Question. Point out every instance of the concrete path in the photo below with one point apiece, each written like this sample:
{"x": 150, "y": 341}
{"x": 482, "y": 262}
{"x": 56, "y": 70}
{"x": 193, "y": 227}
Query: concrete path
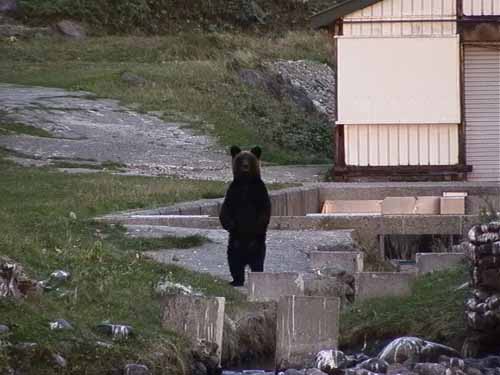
{"x": 87, "y": 129}
{"x": 287, "y": 251}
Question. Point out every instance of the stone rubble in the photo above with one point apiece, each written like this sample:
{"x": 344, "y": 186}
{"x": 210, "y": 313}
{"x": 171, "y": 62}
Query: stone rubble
{"x": 406, "y": 356}
{"x": 315, "y": 79}
{"x": 483, "y": 307}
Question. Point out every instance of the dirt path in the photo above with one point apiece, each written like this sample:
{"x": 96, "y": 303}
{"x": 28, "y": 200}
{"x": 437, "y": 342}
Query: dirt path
{"x": 90, "y": 130}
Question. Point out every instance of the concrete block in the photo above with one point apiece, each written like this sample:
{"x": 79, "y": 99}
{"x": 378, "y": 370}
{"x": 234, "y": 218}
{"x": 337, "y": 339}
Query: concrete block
{"x": 428, "y": 206}
{"x": 305, "y": 325}
{"x": 311, "y": 200}
{"x": 353, "y": 207}
{"x": 399, "y": 205}
{"x": 268, "y": 286}
{"x": 430, "y": 262}
{"x": 278, "y": 204}
{"x": 196, "y": 318}
{"x": 295, "y": 205}
{"x": 351, "y": 261}
{"x": 452, "y": 205}
{"x": 383, "y": 284}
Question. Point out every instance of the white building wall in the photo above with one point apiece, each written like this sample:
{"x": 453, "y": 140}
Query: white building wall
{"x": 481, "y": 7}
{"x": 404, "y": 144}
{"x": 432, "y": 17}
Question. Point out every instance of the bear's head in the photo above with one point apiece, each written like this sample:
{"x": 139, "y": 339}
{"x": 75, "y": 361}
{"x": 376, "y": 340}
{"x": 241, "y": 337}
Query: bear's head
{"x": 246, "y": 164}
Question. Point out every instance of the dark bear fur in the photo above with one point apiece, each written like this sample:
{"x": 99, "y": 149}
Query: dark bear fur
{"x": 245, "y": 214}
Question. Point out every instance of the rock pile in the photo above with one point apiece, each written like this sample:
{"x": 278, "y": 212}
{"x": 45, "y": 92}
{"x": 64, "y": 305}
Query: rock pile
{"x": 483, "y": 308}
{"x": 315, "y": 79}
{"x": 408, "y": 356}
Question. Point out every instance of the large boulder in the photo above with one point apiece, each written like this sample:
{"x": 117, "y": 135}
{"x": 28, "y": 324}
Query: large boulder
{"x": 71, "y": 29}
{"x": 415, "y": 350}
{"x": 8, "y": 5}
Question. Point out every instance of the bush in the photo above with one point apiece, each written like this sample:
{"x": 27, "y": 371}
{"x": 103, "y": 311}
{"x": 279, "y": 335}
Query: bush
{"x": 154, "y": 16}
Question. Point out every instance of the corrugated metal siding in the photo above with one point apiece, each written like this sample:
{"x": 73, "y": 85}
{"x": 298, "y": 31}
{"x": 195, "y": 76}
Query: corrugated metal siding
{"x": 403, "y": 10}
{"x": 392, "y": 145}
{"x": 482, "y": 112}
{"x": 481, "y": 7}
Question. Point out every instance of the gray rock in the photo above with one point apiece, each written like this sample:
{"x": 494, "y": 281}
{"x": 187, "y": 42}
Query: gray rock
{"x": 198, "y": 368}
{"x": 375, "y": 365}
{"x": 117, "y": 331}
{"x": 135, "y": 369}
{"x": 71, "y": 29}
{"x": 60, "y": 360}
{"x": 331, "y": 361}
{"x": 430, "y": 369}
{"x": 398, "y": 369}
{"x": 60, "y": 325}
{"x": 60, "y": 276}
{"x": 415, "y": 350}
{"x": 4, "y": 329}
{"x": 8, "y": 5}
{"x": 294, "y": 372}
{"x": 133, "y": 79}
{"x": 314, "y": 371}
{"x": 359, "y": 371}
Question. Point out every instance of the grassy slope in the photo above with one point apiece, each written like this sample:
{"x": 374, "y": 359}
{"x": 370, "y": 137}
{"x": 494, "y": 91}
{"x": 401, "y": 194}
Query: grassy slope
{"x": 190, "y": 76}
{"x": 110, "y": 282}
{"x": 434, "y": 311}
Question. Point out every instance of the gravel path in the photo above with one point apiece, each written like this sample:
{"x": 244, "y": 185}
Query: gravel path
{"x": 287, "y": 251}
{"x": 93, "y": 130}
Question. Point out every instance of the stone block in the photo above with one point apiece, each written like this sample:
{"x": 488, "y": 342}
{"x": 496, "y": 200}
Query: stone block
{"x": 399, "y": 205}
{"x": 452, "y": 205}
{"x": 295, "y": 205}
{"x": 196, "y": 318}
{"x": 428, "y": 206}
{"x": 278, "y": 204}
{"x": 311, "y": 200}
{"x": 353, "y": 207}
{"x": 350, "y": 261}
{"x": 383, "y": 284}
{"x": 430, "y": 262}
{"x": 268, "y": 286}
{"x": 305, "y": 325}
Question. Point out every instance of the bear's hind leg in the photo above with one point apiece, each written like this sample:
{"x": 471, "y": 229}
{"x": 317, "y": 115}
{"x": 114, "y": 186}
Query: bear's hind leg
{"x": 258, "y": 256}
{"x": 236, "y": 264}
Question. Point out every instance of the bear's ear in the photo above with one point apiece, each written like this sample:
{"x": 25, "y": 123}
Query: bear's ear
{"x": 235, "y": 150}
{"x": 257, "y": 151}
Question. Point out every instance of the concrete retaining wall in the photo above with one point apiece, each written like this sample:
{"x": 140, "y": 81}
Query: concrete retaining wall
{"x": 305, "y": 326}
{"x": 430, "y": 262}
{"x": 383, "y": 284}
{"x": 351, "y": 261}
{"x": 268, "y": 286}
{"x": 196, "y": 318}
{"x": 477, "y": 191}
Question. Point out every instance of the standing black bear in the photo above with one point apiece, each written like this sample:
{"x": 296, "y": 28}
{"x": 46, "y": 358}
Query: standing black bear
{"x": 245, "y": 215}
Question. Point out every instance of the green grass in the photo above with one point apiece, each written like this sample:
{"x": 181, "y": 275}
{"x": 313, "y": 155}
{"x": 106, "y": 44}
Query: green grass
{"x": 434, "y": 311}
{"x": 110, "y": 279}
{"x": 190, "y": 77}
{"x": 13, "y": 128}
